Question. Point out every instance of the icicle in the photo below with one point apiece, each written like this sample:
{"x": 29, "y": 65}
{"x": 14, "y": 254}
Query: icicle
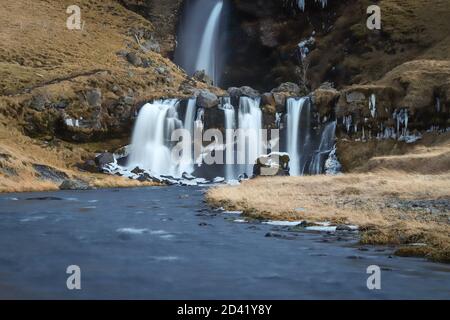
{"x": 278, "y": 120}
{"x": 373, "y": 105}
{"x": 438, "y": 104}
{"x": 301, "y": 4}
{"x": 347, "y": 122}
{"x": 332, "y": 164}
{"x": 406, "y": 118}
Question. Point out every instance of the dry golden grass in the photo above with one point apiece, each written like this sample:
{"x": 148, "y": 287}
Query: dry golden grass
{"x": 358, "y": 199}
{"x": 430, "y": 155}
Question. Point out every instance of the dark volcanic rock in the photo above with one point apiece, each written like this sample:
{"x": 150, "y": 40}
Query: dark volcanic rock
{"x": 137, "y": 170}
{"x": 207, "y": 100}
{"x": 288, "y": 87}
{"x": 48, "y": 173}
{"x": 39, "y": 102}
{"x": 104, "y": 159}
{"x": 74, "y": 185}
{"x": 44, "y": 199}
{"x": 279, "y": 236}
{"x": 343, "y": 227}
{"x": 151, "y": 45}
{"x": 89, "y": 166}
{"x": 134, "y": 59}
{"x": 274, "y": 164}
{"x": 94, "y": 97}
{"x": 243, "y": 92}
{"x": 202, "y": 77}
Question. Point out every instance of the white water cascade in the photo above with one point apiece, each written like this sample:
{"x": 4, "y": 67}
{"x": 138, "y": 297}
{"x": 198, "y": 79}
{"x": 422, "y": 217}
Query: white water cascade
{"x": 327, "y": 143}
{"x": 294, "y": 112}
{"x": 199, "y": 38}
{"x": 151, "y": 146}
{"x": 187, "y": 163}
{"x": 153, "y": 150}
{"x": 250, "y": 142}
{"x": 206, "y": 59}
{"x": 230, "y": 125}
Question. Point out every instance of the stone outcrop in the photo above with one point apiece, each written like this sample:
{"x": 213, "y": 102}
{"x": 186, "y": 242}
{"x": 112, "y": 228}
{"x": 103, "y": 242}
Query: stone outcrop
{"x": 274, "y": 164}
{"x": 164, "y": 16}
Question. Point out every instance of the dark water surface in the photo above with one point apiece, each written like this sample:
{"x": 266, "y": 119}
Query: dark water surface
{"x": 165, "y": 243}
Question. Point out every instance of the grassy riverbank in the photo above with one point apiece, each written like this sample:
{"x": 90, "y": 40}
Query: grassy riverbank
{"x": 21, "y": 155}
{"x": 407, "y": 210}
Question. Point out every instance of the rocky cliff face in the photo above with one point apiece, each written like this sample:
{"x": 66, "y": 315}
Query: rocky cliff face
{"x": 164, "y": 17}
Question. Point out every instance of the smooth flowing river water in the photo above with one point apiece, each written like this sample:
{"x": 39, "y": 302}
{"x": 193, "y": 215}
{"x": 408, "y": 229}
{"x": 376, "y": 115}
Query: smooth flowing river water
{"x": 166, "y": 243}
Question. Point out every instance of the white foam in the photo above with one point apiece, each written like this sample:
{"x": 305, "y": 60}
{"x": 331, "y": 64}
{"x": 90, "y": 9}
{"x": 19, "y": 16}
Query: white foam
{"x": 158, "y": 232}
{"x": 37, "y": 218}
{"x": 132, "y": 230}
{"x": 166, "y": 258}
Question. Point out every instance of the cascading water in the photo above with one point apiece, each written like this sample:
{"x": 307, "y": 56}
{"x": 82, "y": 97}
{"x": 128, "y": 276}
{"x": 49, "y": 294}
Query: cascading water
{"x": 151, "y": 146}
{"x": 295, "y": 140}
{"x": 250, "y": 143}
{"x": 327, "y": 142}
{"x": 198, "y": 130}
{"x": 187, "y": 163}
{"x": 308, "y": 148}
{"x": 230, "y": 125}
{"x": 199, "y": 38}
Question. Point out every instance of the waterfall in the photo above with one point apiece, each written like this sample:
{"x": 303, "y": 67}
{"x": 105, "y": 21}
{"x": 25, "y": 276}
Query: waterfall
{"x": 308, "y": 148}
{"x": 151, "y": 146}
{"x": 198, "y": 129}
{"x": 230, "y": 125}
{"x": 199, "y": 38}
{"x": 327, "y": 142}
{"x": 187, "y": 163}
{"x": 294, "y": 134}
{"x": 189, "y": 118}
{"x": 250, "y": 145}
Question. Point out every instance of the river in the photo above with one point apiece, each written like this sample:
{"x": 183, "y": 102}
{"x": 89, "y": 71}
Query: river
{"x": 166, "y": 243}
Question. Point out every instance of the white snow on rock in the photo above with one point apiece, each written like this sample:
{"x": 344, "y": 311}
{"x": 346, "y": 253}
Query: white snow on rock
{"x": 283, "y": 223}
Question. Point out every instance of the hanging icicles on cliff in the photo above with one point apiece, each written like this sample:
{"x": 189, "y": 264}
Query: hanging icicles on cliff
{"x": 302, "y": 3}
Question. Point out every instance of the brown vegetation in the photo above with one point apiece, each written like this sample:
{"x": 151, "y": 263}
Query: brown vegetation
{"x": 373, "y": 201}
